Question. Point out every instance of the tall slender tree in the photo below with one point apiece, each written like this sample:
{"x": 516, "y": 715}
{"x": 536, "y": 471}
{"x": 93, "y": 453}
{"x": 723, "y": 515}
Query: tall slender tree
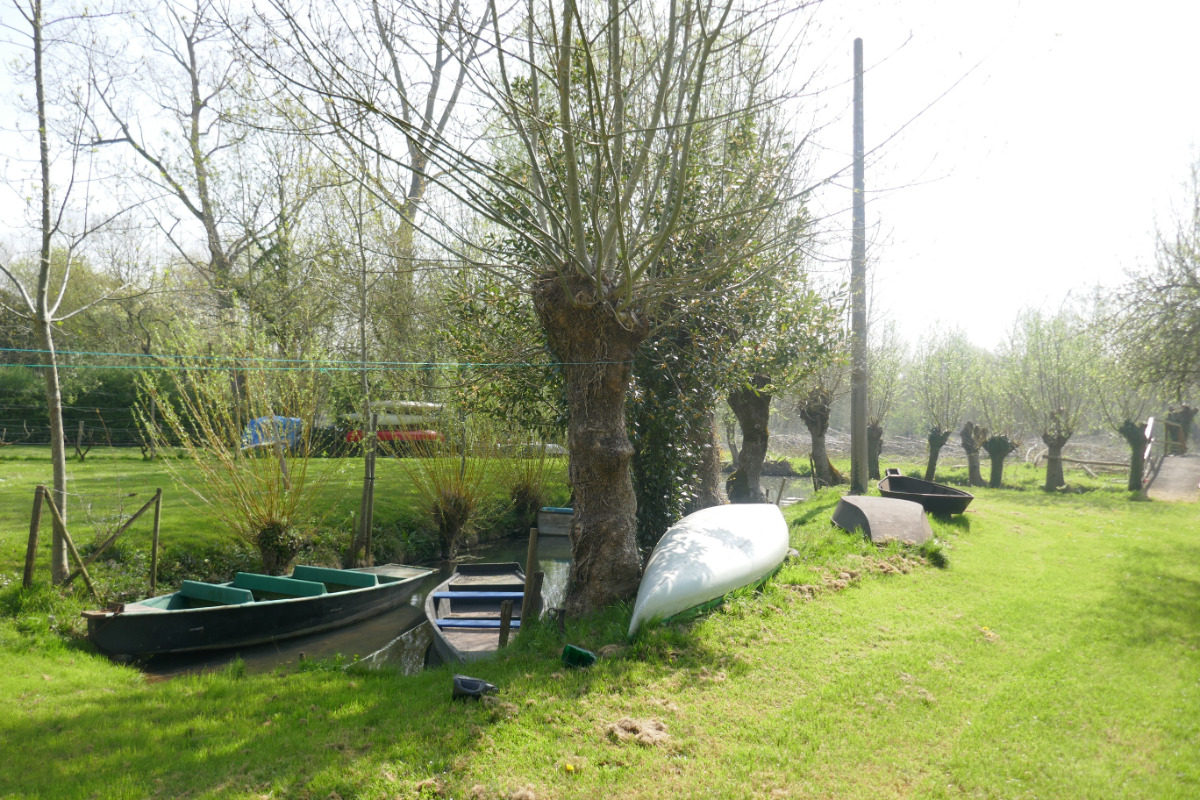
{"x": 64, "y": 216}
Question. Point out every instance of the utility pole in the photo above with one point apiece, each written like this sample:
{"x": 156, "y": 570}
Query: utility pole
{"x": 858, "y": 296}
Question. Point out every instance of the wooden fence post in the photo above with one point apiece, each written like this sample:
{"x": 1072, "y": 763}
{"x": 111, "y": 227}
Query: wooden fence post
{"x": 35, "y": 524}
{"x": 154, "y": 543}
{"x": 505, "y": 621}
{"x": 530, "y": 560}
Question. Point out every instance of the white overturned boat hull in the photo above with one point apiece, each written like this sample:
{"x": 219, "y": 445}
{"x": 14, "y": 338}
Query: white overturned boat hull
{"x": 708, "y": 554}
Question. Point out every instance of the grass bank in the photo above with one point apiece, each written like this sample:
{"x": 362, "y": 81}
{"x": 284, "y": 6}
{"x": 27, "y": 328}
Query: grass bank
{"x": 1057, "y": 656}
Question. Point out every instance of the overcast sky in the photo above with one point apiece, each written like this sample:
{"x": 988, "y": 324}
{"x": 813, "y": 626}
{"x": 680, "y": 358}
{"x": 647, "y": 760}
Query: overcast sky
{"x": 1067, "y": 139}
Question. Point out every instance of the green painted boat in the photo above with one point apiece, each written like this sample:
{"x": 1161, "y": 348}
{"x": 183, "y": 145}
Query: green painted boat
{"x": 251, "y": 609}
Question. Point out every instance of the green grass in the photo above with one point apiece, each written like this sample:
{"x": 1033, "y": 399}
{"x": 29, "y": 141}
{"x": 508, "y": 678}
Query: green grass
{"x": 1058, "y": 655}
{"x": 112, "y": 482}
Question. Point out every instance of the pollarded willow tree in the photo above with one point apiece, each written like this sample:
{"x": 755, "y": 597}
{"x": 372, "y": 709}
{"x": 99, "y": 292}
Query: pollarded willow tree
{"x": 941, "y": 373}
{"x": 1052, "y": 379}
{"x": 998, "y": 410}
{"x": 887, "y": 356}
{"x": 603, "y": 108}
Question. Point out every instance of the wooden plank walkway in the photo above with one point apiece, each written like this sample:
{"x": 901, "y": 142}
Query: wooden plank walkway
{"x": 1177, "y": 479}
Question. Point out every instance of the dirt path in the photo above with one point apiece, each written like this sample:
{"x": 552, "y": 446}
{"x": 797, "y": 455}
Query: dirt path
{"x": 1177, "y": 479}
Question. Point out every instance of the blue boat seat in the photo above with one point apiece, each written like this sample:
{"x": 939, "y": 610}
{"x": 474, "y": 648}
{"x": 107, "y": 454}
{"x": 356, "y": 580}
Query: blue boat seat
{"x": 215, "y": 594}
{"x": 482, "y": 624}
{"x": 478, "y": 595}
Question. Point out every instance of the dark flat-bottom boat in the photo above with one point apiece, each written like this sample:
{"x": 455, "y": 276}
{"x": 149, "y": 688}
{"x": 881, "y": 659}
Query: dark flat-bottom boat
{"x": 251, "y": 609}
{"x": 935, "y": 498}
{"x": 464, "y": 610}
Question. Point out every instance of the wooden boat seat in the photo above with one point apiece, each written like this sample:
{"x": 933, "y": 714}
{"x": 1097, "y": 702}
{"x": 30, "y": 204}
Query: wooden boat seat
{"x": 214, "y": 594}
{"x": 474, "y": 623}
{"x": 335, "y": 579}
{"x": 278, "y": 585}
{"x": 469, "y": 595}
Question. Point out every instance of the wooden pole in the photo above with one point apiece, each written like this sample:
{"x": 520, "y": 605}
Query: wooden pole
{"x": 858, "y": 294}
{"x": 35, "y": 524}
{"x": 532, "y": 607}
{"x": 153, "y": 427}
{"x": 530, "y": 560}
{"x": 154, "y": 543}
{"x": 71, "y": 545}
{"x": 369, "y": 516}
{"x": 505, "y": 621}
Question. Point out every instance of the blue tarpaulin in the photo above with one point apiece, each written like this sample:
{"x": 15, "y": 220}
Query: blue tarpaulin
{"x": 288, "y": 431}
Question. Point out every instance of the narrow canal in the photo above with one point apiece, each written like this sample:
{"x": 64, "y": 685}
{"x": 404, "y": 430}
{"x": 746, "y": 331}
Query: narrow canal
{"x": 395, "y": 639}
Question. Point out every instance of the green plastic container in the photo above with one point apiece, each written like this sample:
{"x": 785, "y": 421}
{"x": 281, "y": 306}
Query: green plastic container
{"x": 574, "y": 656}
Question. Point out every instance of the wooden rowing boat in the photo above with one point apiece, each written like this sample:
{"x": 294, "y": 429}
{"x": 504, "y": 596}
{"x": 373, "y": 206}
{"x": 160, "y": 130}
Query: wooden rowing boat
{"x": 935, "y": 498}
{"x": 251, "y": 609}
{"x": 464, "y": 610}
{"x": 708, "y": 554}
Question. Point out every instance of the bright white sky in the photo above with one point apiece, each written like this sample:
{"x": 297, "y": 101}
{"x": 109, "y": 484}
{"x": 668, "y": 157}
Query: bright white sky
{"x": 1045, "y": 170}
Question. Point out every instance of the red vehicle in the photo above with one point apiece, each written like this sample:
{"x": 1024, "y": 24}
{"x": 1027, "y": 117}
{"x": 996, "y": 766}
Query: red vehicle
{"x": 398, "y": 436}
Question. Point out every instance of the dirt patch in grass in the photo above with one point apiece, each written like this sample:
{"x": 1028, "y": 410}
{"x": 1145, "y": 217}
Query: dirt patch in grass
{"x": 646, "y": 732}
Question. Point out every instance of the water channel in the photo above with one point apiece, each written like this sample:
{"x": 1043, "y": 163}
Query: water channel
{"x": 396, "y": 639}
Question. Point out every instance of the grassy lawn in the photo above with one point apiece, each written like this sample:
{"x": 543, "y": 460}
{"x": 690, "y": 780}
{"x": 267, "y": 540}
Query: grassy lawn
{"x": 1057, "y": 656}
{"x": 112, "y": 482}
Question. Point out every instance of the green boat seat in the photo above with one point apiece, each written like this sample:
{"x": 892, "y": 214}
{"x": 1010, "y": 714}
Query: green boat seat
{"x": 335, "y": 577}
{"x": 278, "y": 585}
{"x": 478, "y": 595}
{"x": 474, "y": 623}
{"x": 215, "y": 594}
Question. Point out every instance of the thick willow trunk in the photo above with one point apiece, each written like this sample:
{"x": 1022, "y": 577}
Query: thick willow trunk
{"x": 814, "y": 411}
{"x": 874, "y": 449}
{"x": 937, "y": 438}
{"x": 973, "y": 438}
{"x": 1135, "y": 434}
{"x": 998, "y": 448}
{"x": 1054, "y": 464}
{"x": 752, "y": 407}
{"x": 596, "y": 351}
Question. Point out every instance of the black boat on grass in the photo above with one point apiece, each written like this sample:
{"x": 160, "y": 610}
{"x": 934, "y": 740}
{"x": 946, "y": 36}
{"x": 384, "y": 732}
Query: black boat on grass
{"x": 251, "y": 609}
{"x": 935, "y": 498}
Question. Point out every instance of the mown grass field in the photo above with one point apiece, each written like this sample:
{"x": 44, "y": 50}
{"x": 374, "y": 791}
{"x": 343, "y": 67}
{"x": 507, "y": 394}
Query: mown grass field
{"x": 110, "y": 483}
{"x": 1058, "y": 656}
